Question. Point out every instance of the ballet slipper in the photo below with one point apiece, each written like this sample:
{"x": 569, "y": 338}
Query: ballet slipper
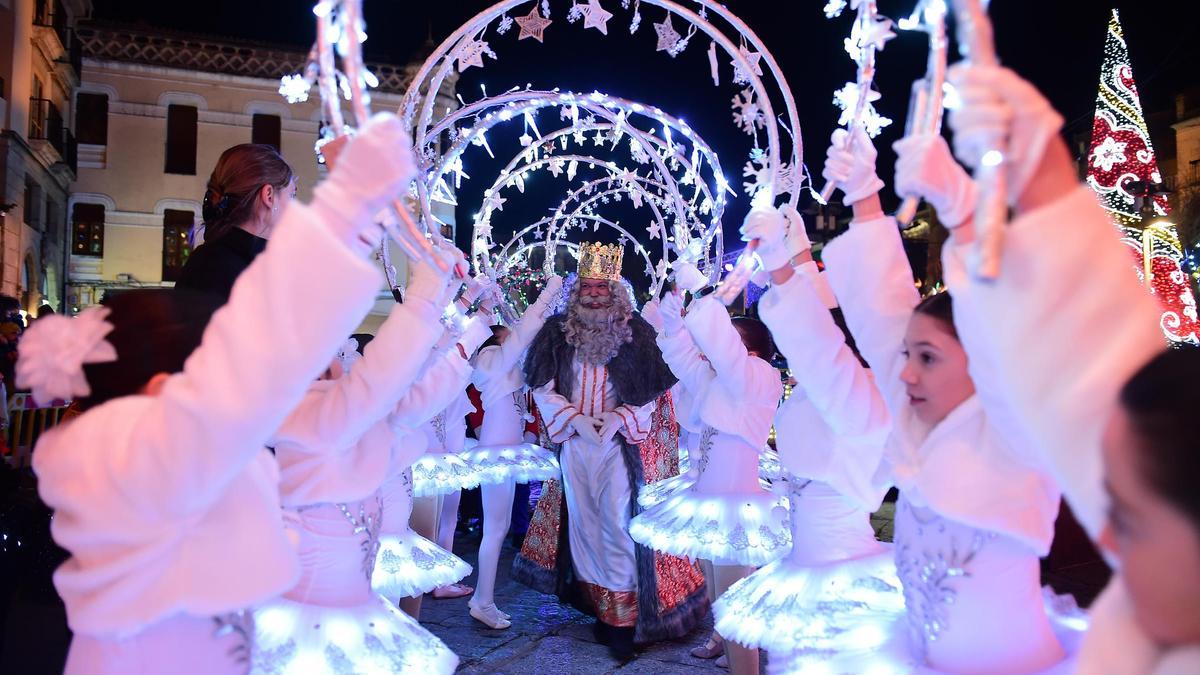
{"x": 489, "y": 616}
{"x": 710, "y": 650}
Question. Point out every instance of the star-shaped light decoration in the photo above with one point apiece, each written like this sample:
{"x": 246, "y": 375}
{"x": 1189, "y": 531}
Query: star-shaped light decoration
{"x": 739, "y": 75}
{"x": 471, "y": 54}
{"x": 667, "y": 35}
{"x": 533, "y": 25}
{"x": 655, "y": 230}
{"x": 556, "y": 167}
{"x": 494, "y": 202}
{"x": 595, "y": 16}
{"x": 878, "y": 33}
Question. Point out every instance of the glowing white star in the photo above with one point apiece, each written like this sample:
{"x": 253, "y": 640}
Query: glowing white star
{"x": 595, "y": 16}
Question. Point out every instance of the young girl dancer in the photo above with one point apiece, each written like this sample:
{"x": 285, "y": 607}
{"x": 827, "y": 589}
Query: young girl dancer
{"x": 334, "y": 451}
{"x": 502, "y": 457}
{"x": 1084, "y": 364}
{"x": 726, "y": 517}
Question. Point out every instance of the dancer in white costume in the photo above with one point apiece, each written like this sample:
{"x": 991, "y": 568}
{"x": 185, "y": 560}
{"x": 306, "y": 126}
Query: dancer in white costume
{"x": 442, "y": 471}
{"x": 726, "y": 517}
{"x": 834, "y": 601}
{"x": 409, "y": 565}
{"x": 334, "y": 451}
{"x": 439, "y": 477}
{"x": 163, "y": 492}
{"x": 1083, "y": 361}
{"x": 503, "y": 458}
{"x": 977, "y": 506}
{"x": 687, "y": 278}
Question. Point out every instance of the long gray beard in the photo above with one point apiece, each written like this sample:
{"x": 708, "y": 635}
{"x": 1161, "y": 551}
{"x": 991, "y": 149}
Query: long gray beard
{"x": 597, "y": 334}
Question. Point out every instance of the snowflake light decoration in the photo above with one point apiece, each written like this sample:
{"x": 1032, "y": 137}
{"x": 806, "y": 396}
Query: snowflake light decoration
{"x": 746, "y": 112}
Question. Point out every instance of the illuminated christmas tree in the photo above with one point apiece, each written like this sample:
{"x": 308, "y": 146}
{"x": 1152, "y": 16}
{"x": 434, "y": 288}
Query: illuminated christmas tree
{"x": 1121, "y": 169}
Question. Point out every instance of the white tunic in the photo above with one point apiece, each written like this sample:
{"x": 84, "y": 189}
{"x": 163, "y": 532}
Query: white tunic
{"x": 169, "y": 504}
{"x": 726, "y": 516}
{"x": 977, "y": 504}
{"x": 1061, "y": 360}
{"x": 595, "y": 482}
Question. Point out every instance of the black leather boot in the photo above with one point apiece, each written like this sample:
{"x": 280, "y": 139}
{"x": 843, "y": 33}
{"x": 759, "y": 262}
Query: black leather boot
{"x": 620, "y": 644}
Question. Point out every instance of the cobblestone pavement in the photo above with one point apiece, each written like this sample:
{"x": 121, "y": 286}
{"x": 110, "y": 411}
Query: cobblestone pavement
{"x": 546, "y": 638}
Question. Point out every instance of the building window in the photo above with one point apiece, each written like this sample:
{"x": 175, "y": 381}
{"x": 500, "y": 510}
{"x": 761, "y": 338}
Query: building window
{"x": 176, "y": 226}
{"x": 181, "y": 139}
{"x": 265, "y": 129}
{"x": 29, "y": 211}
{"x": 91, "y": 118}
{"x": 87, "y": 227}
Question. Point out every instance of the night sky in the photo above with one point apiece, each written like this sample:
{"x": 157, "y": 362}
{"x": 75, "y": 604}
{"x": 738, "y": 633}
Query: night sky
{"x": 1056, "y": 44}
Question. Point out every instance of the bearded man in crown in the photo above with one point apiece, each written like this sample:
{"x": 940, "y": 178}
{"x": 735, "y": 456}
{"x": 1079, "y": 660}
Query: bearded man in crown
{"x": 601, "y": 388}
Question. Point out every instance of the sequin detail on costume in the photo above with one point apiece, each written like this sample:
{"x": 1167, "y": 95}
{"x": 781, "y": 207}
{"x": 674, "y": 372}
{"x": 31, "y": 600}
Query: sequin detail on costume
{"x": 368, "y": 525}
{"x": 929, "y": 577}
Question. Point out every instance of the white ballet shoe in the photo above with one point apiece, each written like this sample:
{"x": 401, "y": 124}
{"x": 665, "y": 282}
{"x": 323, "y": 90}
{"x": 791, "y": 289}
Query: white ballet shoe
{"x": 489, "y": 615}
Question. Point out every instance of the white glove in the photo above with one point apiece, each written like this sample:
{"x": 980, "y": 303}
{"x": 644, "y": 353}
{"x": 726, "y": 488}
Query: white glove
{"x": 610, "y": 424}
{"x": 490, "y": 297}
{"x": 688, "y": 277}
{"x": 586, "y": 427}
{"x": 476, "y": 333}
{"x": 475, "y": 288}
{"x": 999, "y": 108}
{"x": 549, "y": 294}
{"x": 653, "y": 315}
{"x": 852, "y": 165}
{"x": 924, "y": 168}
{"x": 671, "y": 309}
{"x": 797, "y": 234}
{"x": 374, "y": 168}
{"x": 769, "y": 227}
{"x": 428, "y": 281}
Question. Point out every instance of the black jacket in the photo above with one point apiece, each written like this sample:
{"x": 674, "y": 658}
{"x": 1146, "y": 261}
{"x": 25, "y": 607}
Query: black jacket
{"x": 215, "y": 265}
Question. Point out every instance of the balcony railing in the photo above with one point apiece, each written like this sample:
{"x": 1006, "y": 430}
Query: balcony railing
{"x": 46, "y": 124}
{"x": 50, "y": 14}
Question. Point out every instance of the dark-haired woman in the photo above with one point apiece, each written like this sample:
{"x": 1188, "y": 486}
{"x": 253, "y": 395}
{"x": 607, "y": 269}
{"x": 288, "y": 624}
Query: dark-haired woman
{"x": 1085, "y": 367}
{"x": 977, "y": 506}
{"x": 249, "y": 188}
{"x": 163, "y": 492}
{"x": 726, "y": 516}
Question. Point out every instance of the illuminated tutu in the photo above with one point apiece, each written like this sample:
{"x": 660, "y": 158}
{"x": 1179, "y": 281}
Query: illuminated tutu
{"x": 410, "y": 565}
{"x": 373, "y": 637}
{"x": 441, "y": 473}
{"x": 744, "y": 529}
{"x": 518, "y": 463}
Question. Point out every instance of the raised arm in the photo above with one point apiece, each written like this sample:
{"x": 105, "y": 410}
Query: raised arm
{"x": 1067, "y": 321}
{"x": 678, "y": 348}
{"x": 286, "y": 316}
{"x": 334, "y": 417}
{"x": 501, "y": 360}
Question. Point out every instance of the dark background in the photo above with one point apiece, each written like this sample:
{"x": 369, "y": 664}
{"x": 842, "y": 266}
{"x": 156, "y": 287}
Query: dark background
{"x": 1056, "y": 44}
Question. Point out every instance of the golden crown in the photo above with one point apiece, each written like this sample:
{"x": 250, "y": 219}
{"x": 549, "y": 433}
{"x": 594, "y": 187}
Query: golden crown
{"x": 600, "y": 261}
